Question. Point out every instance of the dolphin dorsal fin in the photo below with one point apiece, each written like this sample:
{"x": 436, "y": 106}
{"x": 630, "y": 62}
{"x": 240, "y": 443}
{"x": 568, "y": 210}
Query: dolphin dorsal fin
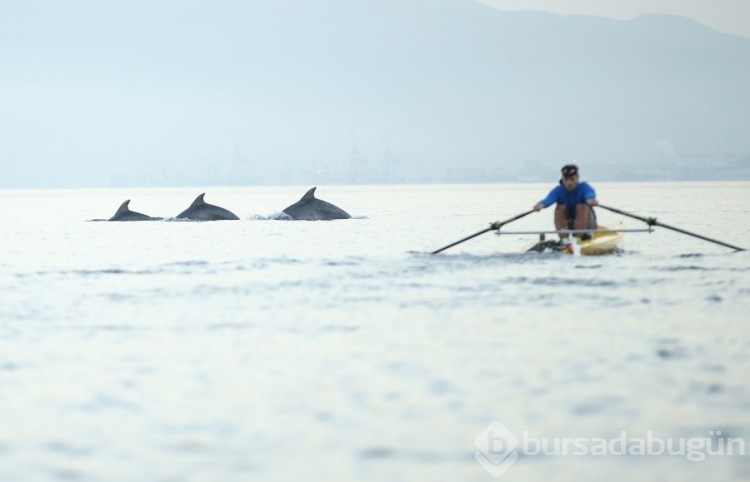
{"x": 309, "y": 195}
{"x": 199, "y": 200}
{"x": 123, "y": 208}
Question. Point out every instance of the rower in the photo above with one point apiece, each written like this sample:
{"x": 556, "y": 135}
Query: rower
{"x": 574, "y": 200}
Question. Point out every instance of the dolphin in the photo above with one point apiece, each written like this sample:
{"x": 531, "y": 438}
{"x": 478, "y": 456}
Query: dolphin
{"x": 125, "y": 214}
{"x": 310, "y": 208}
{"x": 200, "y": 210}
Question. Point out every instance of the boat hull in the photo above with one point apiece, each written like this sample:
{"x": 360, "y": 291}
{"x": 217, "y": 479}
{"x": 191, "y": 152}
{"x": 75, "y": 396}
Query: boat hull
{"x": 599, "y": 244}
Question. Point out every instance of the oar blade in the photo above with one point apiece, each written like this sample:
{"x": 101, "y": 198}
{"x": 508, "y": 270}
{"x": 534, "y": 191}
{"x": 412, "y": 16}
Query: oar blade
{"x": 654, "y": 222}
{"x": 462, "y": 240}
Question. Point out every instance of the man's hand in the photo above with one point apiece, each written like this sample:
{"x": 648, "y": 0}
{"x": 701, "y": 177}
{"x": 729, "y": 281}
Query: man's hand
{"x": 538, "y": 207}
{"x": 593, "y": 202}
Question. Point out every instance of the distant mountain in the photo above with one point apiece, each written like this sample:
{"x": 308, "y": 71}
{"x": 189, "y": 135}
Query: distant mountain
{"x": 364, "y": 91}
{"x": 658, "y": 97}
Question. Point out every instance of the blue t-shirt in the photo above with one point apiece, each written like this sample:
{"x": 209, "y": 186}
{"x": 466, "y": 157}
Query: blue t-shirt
{"x": 559, "y": 195}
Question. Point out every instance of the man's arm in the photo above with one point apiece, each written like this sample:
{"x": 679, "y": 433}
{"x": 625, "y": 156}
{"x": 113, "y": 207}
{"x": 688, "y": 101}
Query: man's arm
{"x": 589, "y": 195}
{"x": 548, "y": 201}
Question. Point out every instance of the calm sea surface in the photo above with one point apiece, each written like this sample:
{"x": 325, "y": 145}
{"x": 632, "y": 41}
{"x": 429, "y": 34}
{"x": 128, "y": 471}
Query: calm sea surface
{"x": 280, "y": 350}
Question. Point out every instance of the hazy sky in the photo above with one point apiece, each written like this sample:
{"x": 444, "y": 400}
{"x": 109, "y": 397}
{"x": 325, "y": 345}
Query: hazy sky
{"x": 729, "y": 16}
{"x": 144, "y": 92}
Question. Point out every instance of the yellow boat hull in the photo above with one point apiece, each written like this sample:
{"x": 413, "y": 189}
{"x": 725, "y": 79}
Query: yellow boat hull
{"x": 600, "y": 243}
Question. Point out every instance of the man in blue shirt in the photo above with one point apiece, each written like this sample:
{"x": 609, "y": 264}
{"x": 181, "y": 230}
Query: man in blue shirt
{"x": 574, "y": 200}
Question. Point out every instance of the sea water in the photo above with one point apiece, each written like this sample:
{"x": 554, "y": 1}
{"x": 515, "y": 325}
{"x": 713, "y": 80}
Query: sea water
{"x": 263, "y": 349}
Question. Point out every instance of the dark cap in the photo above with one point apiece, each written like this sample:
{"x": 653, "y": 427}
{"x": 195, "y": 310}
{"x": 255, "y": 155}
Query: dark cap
{"x": 569, "y": 170}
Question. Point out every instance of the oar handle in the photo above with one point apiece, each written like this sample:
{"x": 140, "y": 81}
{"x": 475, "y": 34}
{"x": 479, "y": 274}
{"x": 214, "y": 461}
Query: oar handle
{"x": 654, "y": 222}
{"x": 649, "y": 221}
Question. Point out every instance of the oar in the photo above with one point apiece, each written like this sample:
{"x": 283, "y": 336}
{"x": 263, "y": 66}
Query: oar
{"x": 493, "y": 227}
{"x": 654, "y": 222}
